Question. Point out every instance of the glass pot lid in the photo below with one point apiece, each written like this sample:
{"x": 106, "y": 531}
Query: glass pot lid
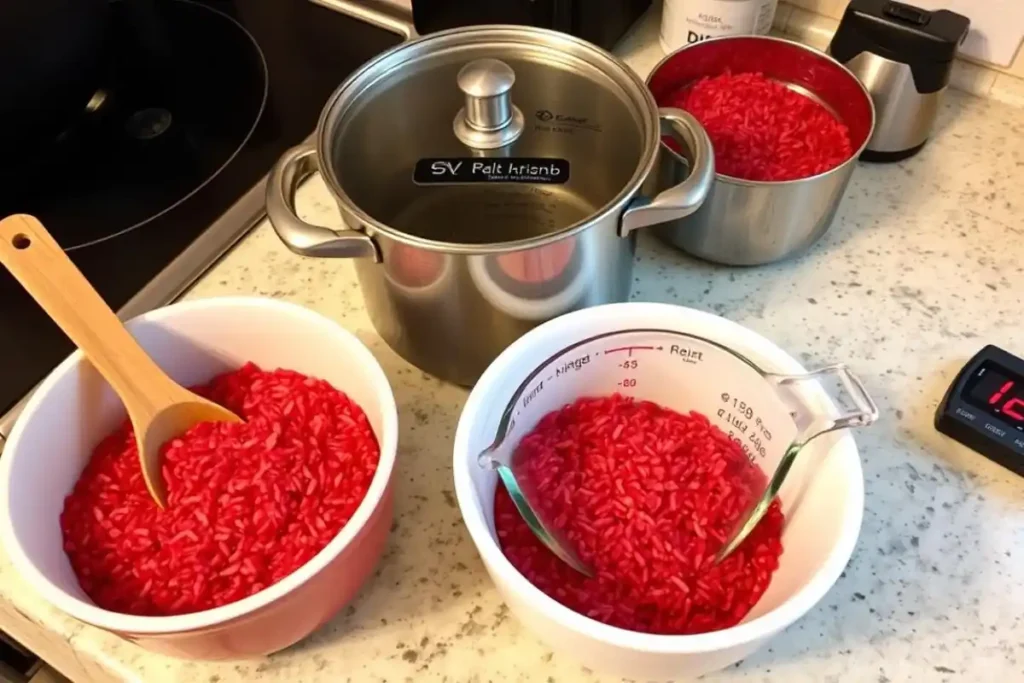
{"x": 500, "y": 136}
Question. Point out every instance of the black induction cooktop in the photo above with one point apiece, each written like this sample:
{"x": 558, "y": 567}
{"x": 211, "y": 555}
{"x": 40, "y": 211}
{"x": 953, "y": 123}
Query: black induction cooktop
{"x": 198, "y": 100}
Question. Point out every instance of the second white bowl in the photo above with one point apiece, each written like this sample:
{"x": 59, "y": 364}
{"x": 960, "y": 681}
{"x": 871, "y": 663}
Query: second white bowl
{"x": 823, "y": 500}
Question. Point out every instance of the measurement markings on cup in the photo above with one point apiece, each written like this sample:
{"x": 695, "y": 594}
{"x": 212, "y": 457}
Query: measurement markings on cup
{"x": 629, "y": 367}
{"x": 630, "y": 349}
{"x": 684, "y": 353}
{"x": 630, "y": 363}
{"x": 740, "y": 415}
{"x": 626, "y": 358}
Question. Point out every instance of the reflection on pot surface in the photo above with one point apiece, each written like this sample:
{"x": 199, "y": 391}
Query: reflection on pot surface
{"x": 536, "y": 266}
{"x": 535, "y": 284}
{"x": 414, "y": 268}
{"x": 478, "y": 302}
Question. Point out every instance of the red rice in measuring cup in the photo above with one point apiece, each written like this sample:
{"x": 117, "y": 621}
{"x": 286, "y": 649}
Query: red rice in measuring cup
{"x": 647, "y": 495}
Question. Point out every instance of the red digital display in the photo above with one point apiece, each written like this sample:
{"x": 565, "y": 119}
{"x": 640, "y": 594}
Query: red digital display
{"x": 999, "y": 392}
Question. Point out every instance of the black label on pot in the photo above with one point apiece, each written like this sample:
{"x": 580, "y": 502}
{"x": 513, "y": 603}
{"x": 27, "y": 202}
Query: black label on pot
{"x": 456, "y": 171}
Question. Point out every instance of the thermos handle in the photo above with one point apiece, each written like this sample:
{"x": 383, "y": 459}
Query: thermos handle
{"x": 686, "y": 197}
{"x": 294, "y": 166}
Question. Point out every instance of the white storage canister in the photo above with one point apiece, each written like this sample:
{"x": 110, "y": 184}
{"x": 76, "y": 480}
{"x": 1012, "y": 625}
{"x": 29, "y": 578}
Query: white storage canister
{"x": 690, "y": 21}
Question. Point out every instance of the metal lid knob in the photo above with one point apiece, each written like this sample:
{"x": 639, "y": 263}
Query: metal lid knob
{"x": 489, "y": 119}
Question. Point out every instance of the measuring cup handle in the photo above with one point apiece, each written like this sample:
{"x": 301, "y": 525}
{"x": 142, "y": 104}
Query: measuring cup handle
{"x": 815, "y": 424}
{"x": 864, "y": 412}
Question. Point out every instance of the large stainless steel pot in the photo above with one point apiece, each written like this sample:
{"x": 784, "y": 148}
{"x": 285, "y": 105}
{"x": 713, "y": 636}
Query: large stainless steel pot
{"x": 488, "y": 178}
{"x": 746, "y": 222}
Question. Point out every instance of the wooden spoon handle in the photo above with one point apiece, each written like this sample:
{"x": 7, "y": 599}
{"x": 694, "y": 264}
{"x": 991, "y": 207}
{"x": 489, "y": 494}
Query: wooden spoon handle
{"x": 46, "y": 272}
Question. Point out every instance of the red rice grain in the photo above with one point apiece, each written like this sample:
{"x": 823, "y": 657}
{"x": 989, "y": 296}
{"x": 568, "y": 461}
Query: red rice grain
{"x": 248, "y": 504}
{"x": 763, "y": 131}
{"x": 647, "y": 496}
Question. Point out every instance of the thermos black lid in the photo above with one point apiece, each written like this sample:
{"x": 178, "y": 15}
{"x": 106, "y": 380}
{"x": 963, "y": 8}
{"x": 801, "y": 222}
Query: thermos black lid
{"x": 926, "y": 41}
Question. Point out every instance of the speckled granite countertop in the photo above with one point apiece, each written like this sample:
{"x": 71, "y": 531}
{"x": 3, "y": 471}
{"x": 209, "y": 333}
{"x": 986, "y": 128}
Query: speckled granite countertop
{"x": 921, "y": 268}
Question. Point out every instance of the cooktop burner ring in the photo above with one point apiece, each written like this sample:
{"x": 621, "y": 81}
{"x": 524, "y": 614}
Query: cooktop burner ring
{"x": 165, "y": 120}
{"x": 183, "y": 90}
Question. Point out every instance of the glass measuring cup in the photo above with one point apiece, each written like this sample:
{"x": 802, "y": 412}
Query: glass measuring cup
{"x": 762, "y": 411}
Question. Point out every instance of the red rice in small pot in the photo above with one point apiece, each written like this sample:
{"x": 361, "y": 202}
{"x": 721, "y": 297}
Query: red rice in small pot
{"x": 763, "y": 131}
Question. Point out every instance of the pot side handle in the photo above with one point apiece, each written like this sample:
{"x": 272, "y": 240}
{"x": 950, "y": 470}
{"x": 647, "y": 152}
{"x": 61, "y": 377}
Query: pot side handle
{"x": 294, "y": 166}
{"x": 686, "y": 197}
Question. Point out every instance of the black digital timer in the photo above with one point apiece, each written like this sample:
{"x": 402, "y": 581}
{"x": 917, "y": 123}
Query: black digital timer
{"x": 984, "y": 407}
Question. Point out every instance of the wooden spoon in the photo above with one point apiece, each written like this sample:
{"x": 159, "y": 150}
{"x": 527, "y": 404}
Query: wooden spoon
{"x": 159, "y": 408}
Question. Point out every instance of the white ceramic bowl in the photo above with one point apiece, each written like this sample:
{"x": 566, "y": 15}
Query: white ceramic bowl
{"x": 74, "y": 408}
{"x": 823, "y": 501}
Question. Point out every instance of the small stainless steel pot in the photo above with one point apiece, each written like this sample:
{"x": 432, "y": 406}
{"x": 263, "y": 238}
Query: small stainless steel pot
{"x": 744, "y": 222}
{"x": 488, "y": 178}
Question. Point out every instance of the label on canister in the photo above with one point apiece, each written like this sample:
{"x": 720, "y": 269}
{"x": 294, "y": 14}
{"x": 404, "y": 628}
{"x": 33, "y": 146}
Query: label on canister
{"x": 684, "y": 22}
{"x": 461, "y": 170}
